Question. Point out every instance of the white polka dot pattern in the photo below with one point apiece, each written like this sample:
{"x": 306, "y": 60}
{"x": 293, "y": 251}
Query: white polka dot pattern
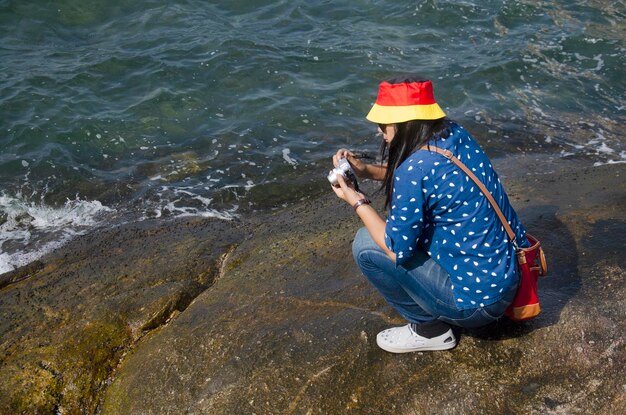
{"x": 434, "y": 209}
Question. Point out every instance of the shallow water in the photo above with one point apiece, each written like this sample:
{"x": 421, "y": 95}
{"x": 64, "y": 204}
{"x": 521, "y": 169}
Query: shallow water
{"x": 116, "y": 111}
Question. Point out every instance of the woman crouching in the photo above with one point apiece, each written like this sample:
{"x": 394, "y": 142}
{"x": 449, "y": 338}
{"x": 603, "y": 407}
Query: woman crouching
{"x": 442, "y": 257}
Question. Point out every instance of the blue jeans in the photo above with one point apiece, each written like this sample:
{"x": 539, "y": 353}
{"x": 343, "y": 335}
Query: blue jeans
{"x": 420, "y": 290}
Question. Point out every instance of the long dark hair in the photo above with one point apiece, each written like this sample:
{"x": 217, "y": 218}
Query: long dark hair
{"x": 410, "y": 136}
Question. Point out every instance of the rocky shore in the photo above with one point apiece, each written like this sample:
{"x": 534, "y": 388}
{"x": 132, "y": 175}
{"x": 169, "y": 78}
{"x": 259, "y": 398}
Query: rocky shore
{"x": 269, "y": 315}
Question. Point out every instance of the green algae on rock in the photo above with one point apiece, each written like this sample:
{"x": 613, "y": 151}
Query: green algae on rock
{"x": 67, "y": 324}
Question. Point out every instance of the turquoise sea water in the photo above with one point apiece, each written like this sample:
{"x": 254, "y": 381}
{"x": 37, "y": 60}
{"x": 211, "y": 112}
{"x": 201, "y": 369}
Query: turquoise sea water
{"x": 115, "y": 110}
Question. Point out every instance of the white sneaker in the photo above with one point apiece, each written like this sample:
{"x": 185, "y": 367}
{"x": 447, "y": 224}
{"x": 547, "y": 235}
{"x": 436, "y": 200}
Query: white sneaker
{"x": 404, "y": 339}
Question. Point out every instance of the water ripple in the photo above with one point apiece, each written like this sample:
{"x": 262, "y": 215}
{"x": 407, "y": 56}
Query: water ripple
{"x": 116, "y": 100}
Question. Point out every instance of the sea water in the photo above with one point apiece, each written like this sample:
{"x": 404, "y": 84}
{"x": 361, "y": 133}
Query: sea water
{"x": 117, "y": 111}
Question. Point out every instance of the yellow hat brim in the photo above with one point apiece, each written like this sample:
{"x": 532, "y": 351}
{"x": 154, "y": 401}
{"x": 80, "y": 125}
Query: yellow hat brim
{"x": 382, "y": 114}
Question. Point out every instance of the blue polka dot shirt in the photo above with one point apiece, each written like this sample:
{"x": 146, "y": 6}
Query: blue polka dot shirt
{"x": 436, "y": 207}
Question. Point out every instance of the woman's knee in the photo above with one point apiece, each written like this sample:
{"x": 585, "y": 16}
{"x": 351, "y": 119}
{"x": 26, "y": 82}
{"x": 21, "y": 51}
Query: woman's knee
{"x": 362, "y": 241}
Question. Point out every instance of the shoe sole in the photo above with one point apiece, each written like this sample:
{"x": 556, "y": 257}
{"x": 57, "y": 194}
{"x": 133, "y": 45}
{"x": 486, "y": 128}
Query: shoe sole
{"x": 391, "y": 349}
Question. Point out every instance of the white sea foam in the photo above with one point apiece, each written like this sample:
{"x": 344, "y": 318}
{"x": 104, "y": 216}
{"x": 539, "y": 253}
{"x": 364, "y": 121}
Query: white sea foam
{"x": 600, "y": 61}
{"x": 287, "y": 158}
{"x": 184, "y": 202}
{"x": 620, "y": 160}
{"x": 26, "y": 221}
{"x": 185, "y": 211}
{"x": 599, "y": 163}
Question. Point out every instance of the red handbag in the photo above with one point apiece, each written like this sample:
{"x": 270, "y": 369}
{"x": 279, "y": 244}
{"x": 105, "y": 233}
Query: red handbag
{"x": 531, "y": 261}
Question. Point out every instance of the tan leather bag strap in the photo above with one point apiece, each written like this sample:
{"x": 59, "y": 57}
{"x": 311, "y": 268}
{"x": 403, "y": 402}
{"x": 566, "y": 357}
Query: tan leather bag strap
{"x": 448, "y": 154}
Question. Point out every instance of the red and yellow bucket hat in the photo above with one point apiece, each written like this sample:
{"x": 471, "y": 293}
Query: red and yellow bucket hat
{"x": 405, "y": 101}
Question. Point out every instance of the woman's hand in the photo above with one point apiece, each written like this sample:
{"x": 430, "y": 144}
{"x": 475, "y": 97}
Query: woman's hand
{"x": 375, "y": 224}
{"x": 363, "y": 170}
{"x": 357, "y": 165}
{"x": 346, "y": 192}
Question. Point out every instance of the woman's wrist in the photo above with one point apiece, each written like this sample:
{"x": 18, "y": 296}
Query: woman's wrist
{"x": 354, "y": 197}
{"x": 362, "y": 201}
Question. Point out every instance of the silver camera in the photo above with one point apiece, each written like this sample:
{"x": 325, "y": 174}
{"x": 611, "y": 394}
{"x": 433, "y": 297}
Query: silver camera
{"x": 345, "y": 169}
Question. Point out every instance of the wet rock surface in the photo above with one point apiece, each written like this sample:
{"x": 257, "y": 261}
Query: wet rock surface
{"x": 67, "y": 321}
{"x": 270, "y": 315}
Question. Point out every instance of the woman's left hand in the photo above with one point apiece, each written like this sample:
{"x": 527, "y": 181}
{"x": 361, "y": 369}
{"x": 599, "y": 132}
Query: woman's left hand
{"x": 346, "y": 192}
